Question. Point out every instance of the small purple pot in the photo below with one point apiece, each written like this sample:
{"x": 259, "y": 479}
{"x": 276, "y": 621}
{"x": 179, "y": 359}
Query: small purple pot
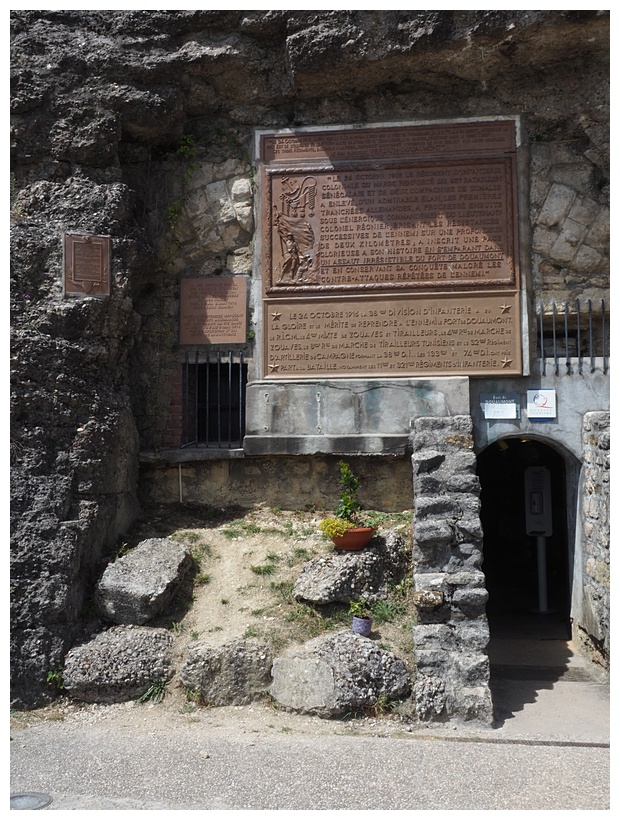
{"x": 362, "y": 626}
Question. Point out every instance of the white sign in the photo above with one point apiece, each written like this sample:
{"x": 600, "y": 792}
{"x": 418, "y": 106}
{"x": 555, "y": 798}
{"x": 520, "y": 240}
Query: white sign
{"x": 541, "y": 404}
{"x": 500, "y": 405}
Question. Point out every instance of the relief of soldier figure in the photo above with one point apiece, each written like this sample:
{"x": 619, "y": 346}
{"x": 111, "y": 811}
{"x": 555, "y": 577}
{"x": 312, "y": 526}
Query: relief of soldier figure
{"x": 297, "y": 240}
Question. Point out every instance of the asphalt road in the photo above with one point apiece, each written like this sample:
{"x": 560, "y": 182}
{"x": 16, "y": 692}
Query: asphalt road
{"x": 537, "y": 762}
{"x": 549, "y": 750}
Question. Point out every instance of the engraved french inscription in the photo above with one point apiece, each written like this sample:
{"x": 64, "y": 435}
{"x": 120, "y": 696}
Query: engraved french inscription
{"x": 213, "y": 311}
{"x": 410, "y": 335}
{"x": 391, "y": 250}
{"x": 415, "y": 227}
{"x": 87, "y": 265}
{"x": 402, "y": 141}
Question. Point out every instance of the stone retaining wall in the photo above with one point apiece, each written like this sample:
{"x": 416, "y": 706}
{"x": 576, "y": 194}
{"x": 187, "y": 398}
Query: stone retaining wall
{"x": 452, "y": 669}
{"x": 593, "y": 634}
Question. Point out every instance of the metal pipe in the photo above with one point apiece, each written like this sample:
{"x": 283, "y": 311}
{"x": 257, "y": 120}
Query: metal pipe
{"x": 604, "y": 330}
{"x": 555, "y": 349}
{"x": 240, "y": 398}
{"x": 207, "y": 379}
{"x": 185, "y": 437}
{"x": 230, "y": 359}
{"x": 579, "y": 357}
{"x": 196, "y": 399}
{"x": 543, "y": 365}
{"x": 591, "y": 340}
{"x": 219, "y": 399}
{"x": 567, "y": 354}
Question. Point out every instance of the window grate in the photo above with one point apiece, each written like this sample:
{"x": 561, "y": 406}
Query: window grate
{"x": 573, "y": 336}
{"x": 214, "y": 400}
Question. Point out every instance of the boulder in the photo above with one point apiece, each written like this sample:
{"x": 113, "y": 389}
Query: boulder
{"x": 234, "y": 673}
{"x": 142, "y": 583}
{"x": 119, "y": 664}
{"x": 332, "y": 676}
{"x": 347, "y": 576}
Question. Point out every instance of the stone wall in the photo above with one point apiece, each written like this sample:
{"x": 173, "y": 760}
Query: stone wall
{"x": 139, "y": 125}
{"x": 287, "y": 482}
{"x": 452, "y": 668}
{"x": 593, "y": 633}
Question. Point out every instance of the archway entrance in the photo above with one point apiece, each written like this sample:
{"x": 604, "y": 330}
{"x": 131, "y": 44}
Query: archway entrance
{"x": 513, "y": 564}
{"x": 529, "y": 621}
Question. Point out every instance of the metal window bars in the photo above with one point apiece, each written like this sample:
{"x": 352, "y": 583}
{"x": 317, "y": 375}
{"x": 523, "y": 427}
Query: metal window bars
{"x": 214, "y": 400}
{"x": 578, "y": 333}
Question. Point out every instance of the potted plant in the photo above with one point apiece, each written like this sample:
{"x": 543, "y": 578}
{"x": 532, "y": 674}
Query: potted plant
{"x": 362, "y": 620}
{"x": 346, "y": 528}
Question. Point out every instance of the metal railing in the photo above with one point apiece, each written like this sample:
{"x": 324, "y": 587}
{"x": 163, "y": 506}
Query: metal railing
{"x": 576, "y": 334}
{"x": 214, "y": 400}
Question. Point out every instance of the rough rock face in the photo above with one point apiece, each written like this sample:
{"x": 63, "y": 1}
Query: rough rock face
{"x": 338, "y": 674}
{"x": 142, "y": 583}
{"x": 349, "y": 576}
{"x": 118, "y": 665}
{"x": 234, "y": 673}
{"x": 116, "y": 118}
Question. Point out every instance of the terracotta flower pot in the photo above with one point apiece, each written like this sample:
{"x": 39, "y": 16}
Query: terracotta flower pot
{"x": 354, "y": 539}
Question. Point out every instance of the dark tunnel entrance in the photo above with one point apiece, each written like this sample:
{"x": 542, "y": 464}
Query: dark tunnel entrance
{"x": 512, "y": 551}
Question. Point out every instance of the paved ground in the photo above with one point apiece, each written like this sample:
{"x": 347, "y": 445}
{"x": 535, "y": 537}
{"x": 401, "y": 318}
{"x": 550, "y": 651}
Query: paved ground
{"x": 550, "y": 751}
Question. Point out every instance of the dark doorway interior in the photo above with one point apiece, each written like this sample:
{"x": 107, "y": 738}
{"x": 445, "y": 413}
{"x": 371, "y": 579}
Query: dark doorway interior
{"x": 510, "y": 554}
{"x": 528, "y": 649}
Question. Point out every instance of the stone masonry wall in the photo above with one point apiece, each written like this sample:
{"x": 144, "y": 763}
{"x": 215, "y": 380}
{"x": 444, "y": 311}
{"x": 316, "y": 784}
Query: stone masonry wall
{"x": 594, "y": 635}
{"x": 452, "y": 668}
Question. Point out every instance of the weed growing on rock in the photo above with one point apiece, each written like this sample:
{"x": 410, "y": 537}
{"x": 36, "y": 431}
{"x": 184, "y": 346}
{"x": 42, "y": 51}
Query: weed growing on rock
{"x": 155, "y": 693}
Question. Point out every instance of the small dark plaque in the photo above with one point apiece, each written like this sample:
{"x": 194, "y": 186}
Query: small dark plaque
{"x": 213, "y": 311}
{"x": 87, "y": 265}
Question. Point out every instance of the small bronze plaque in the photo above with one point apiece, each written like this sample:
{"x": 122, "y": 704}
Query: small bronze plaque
{"x": 414, "y": 335}
{"x": 87, "y": 265}
{"x": 213, "y": 310}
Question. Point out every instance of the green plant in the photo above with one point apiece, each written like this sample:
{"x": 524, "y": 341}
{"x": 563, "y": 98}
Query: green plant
{"x": 359, "y": 609}
{"x": 333, "y": 527}
{"x": 385, "y": 611}
{"x": 348, "y": 506}
{"x": 347, "y": 513}
{"x": 192, "y": 694}
{"x": 55, "y": 679}
{"x": 154, "y": 693}
{"x": 202, "y": 578}
{"x": 264, "y": 569}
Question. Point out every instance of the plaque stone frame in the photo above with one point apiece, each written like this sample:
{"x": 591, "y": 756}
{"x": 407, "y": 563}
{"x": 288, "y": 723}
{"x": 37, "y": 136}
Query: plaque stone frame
{"x": 366, "y": 220}
{"x": 86, "y": 265}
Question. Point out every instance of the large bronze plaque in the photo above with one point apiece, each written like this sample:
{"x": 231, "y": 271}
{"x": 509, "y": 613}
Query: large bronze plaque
{"x": 410, "y": 335}
{"x": 363, "y": 217}
{"x": 390, "y": 209}
{"x": 87, "y": 265}
{"x": 213, "y": 311}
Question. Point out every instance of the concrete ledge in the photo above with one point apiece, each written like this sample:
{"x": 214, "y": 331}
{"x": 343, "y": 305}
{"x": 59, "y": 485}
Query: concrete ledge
{"x": 396, "y": 445}
{"x": 184, "y": 455}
